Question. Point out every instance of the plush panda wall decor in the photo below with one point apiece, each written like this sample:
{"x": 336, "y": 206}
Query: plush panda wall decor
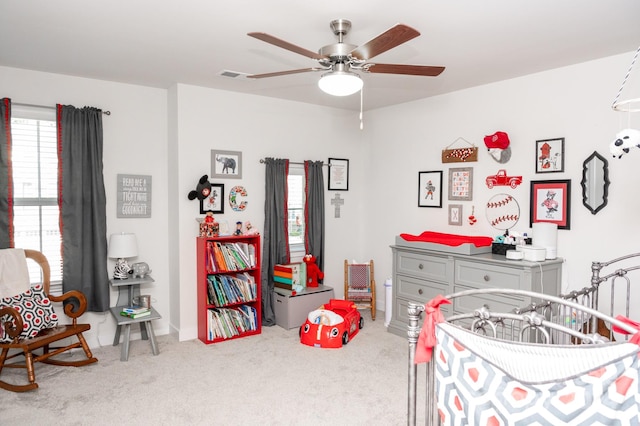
{"x": 624, "y": 141}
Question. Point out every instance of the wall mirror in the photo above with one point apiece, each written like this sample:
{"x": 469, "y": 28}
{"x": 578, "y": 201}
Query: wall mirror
{"x": 595, "y": 182}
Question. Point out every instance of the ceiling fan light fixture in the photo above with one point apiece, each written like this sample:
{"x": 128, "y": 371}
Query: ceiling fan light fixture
{"x": 340, "y": 83}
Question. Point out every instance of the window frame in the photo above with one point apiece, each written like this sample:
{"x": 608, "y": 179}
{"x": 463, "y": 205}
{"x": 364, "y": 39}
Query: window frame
{"x": 44, "y": 146}
{"x": 297, "y": 249}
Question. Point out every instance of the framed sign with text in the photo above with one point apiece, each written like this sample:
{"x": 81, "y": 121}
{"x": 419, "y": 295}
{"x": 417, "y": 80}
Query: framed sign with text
{"x": 134, "y": 196}
{"x": 338, "y": 174}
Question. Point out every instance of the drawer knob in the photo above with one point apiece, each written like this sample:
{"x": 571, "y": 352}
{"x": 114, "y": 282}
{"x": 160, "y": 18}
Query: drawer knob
{"x": 419, "y": 291}
{"x": 487, "y": 278}
{"x": 421, "y": 266}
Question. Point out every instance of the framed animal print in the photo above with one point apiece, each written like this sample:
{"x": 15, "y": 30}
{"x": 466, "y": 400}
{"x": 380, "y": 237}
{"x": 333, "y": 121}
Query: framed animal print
{"x": 551, "y": 202}
{"x": 550, "y": 155}
{"x": 226, "y": 164}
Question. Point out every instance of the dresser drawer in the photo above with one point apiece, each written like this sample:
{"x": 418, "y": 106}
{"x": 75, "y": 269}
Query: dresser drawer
{"x": 482, "y": 275}
{"x": 401, "y": 307}
{"x": 495, "y": 303}
{"x": 418, "y": 290}
{"x": 423, "y": 266}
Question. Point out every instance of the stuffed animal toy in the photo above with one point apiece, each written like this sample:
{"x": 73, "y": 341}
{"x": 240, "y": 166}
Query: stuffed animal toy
{"x": 203, "y": 189}
{"x": 625, "y": 140}
{"x": 249, "y": 229}
{"x": 313, "y": 272}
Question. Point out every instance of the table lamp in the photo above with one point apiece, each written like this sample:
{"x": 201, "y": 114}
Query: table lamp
{"x": 121, "y": 247}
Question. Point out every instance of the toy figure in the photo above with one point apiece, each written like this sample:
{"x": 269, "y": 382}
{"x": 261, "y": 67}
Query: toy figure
{"x": 313, "y": 271}
{"x": 238, "y": 230}
{"x": 209, "y": 217}
{"x": 249, "y": 229}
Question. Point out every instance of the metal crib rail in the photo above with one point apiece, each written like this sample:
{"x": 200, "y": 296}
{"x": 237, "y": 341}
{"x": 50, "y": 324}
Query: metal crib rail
{"x": 528, "y": 318}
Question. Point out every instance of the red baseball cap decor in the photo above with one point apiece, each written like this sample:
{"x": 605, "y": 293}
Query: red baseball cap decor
{"x": 499, "y": 140}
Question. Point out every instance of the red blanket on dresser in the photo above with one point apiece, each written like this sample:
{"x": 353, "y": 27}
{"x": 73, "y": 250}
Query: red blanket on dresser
{"x": 448, "y": 239}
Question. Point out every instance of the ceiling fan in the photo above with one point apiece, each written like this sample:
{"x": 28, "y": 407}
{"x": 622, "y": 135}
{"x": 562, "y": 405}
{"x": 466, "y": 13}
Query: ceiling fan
{"x": 340, "y": 59}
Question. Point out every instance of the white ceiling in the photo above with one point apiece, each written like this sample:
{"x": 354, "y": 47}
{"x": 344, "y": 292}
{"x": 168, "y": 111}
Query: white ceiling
{"x": 159, "y": 43}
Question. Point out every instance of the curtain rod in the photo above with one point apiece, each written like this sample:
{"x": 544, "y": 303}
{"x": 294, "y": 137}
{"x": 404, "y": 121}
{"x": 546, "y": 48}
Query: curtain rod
{"x": 48, "y": 107}
{"x": 293, "y": 162}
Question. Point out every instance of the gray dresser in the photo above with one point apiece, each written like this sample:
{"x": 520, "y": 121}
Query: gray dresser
{"x": 419, "y": 275}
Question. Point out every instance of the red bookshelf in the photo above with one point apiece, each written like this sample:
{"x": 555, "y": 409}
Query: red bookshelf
{"x": 229, "y": 290}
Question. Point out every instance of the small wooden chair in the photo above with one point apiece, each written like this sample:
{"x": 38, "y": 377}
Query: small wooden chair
{"x": 360, "y": 285}
{"x": 13, "y": 325}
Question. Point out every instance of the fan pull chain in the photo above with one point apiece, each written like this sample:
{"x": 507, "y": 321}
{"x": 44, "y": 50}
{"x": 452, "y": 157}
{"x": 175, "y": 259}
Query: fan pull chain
{"x": 361, "y": 96}
{"x": 626, "y": 77}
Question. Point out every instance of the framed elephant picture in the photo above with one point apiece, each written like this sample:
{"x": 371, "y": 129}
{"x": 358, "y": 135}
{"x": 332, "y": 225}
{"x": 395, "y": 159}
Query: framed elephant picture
{"x": 226, "y": 164}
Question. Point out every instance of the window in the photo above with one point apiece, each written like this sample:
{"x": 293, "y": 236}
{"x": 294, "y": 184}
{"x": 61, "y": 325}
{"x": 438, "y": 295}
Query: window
{"x": 296, "y": 201}
{"x": 35, "y": 186}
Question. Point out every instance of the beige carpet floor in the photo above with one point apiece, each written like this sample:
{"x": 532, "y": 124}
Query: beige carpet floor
{"x": 268, "y": 379}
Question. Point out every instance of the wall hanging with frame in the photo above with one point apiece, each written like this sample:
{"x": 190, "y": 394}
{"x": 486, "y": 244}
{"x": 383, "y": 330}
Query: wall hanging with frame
{"x": 461, "y": 183}
{"x": 467, "y": 153}
{"x": 215, "y": 201}
{"x": 226, "y": 164}
{"x": 551, "y": 202}
{"x": 550, "y": 155}
{"x": 338, "y": 174}
{"x": 134, "y": 196}
{"x": 430, "y": 189}
{"x": 455, "y": 214}
{"x": 595, "y": 182}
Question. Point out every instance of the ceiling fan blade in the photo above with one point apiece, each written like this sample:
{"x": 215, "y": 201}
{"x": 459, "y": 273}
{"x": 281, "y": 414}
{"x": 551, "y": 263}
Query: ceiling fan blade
{"x": 389, "y": 39}
{"x": 286, "y": 45}
{"x": 423, "y": 70}
{"x": 278, "y": 73}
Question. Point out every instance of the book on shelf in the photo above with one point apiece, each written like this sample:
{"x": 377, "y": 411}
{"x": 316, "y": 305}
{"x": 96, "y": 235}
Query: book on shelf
{"x": 138, "y": 315}
{"x": 135, "y": 309}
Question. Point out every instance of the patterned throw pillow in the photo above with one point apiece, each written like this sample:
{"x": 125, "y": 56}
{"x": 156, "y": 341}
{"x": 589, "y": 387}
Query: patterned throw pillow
{"x": 36, "y": 310}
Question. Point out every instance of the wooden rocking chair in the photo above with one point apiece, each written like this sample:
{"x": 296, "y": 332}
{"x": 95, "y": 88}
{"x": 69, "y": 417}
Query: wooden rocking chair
{"x": 360, "y": 285}
{"x": 12, "y": 322}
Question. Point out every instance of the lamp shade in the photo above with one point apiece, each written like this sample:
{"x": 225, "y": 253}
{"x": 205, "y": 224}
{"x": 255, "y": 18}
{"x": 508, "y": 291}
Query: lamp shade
{"x": 122, "y": 246}
{"x": 340, "y": 83}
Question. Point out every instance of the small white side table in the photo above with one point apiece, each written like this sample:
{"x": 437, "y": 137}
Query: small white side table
{"x": 127, "y": 290}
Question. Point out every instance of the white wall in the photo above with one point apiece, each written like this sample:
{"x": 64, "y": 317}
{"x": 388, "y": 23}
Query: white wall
{"x": 260, "y": 127}
{"x": 169, "y": 134}
{"x": 135, "y": 142}
{"x": 572, "y": 102}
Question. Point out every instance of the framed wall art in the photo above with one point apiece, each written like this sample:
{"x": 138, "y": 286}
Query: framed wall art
{"x": 226, "y": 164}
{"x": 134, "y": 196}
{"x": 461, "y": 183}
{"x": 215, "y": 201}
{"x": 551, "y": 202}
{"x": 338, "y": 174}
{"x": 550, "y": 155}
{"x": 430, "y": 189}
{"x": 455, "y": 214}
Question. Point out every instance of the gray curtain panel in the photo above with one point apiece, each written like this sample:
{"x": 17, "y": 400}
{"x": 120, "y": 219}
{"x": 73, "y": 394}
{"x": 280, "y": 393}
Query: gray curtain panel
{"x": 83, "y": 220}
{"x": 6, "y": 180}
{"x": 314, "y": 208}
{"x": 275, "y": 243}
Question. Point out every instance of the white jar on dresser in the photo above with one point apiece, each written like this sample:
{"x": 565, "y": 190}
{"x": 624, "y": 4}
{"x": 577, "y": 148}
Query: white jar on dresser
{"x": 421, "y": 274}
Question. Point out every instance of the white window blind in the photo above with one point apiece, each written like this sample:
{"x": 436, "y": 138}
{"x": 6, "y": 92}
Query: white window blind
{"x": 35, "y": 186}
{"x": 296, "y": 201}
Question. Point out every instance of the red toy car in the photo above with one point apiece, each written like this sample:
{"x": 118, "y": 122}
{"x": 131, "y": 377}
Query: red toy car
{"x": 332, "y": 325}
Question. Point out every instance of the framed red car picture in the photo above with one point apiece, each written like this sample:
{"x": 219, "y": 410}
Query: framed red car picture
{"x": 551, "y": 202}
